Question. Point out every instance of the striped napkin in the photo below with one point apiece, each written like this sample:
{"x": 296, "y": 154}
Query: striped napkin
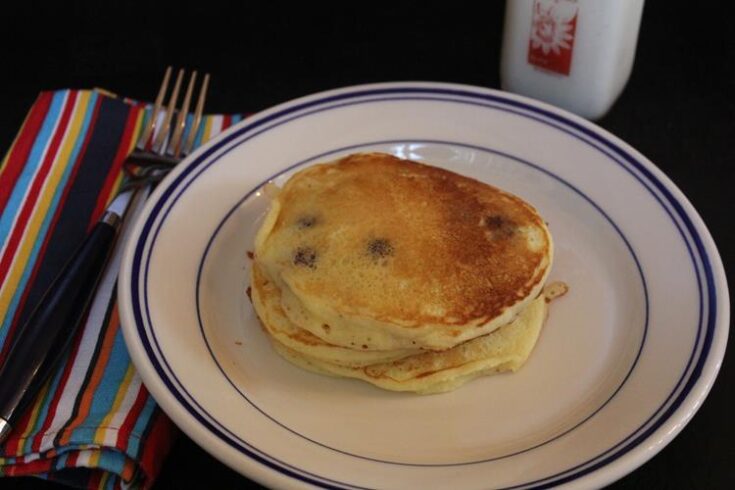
{"x": 94, "y": 424}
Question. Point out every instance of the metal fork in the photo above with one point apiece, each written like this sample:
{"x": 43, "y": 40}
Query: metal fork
{"x": 159, "y": 149}
{"x": 41, "y": 342}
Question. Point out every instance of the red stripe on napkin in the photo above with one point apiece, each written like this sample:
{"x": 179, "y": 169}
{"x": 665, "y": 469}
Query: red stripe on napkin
{"x": 22, "y": 147}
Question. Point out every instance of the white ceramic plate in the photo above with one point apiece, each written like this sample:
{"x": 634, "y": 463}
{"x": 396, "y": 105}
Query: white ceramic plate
{"x": 625, "y": 359}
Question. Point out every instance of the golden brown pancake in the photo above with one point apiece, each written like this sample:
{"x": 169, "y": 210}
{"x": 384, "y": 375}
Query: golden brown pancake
{"x": 392, "y": 254}
{"x": 266, "y": 299}
{"x": 505, "y": 349}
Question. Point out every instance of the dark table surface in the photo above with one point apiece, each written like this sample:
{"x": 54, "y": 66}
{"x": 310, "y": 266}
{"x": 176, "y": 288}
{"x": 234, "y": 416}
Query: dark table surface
{"x": 678, "y": 109}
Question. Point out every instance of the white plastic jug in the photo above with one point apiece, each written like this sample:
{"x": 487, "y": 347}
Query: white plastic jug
{"x": 576, "y": 54}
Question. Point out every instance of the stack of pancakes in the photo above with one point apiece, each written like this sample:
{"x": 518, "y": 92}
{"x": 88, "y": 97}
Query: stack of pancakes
{"x": 407, "y": 276}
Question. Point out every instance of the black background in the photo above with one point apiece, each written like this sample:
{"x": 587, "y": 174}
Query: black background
{"x": 678, "y": 110}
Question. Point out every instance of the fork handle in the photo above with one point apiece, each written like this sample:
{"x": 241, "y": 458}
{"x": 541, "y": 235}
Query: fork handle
{"x": 41, "y": 342}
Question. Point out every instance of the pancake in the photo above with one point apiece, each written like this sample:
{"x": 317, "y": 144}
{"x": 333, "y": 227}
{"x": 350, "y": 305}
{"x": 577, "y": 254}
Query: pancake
{"x": 266, "y": 299}
{"x": 505, "y": 349}
{"x": 391, "y": 254}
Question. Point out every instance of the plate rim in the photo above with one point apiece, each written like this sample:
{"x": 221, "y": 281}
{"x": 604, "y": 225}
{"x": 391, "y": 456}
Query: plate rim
{"x": 691, "y": 396}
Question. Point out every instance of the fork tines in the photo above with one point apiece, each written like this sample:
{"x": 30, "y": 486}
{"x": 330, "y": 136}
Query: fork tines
{"x": 157, "y": 136}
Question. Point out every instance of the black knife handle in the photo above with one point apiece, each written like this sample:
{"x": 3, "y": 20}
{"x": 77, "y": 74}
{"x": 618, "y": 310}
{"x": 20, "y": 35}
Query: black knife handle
{"x": 40, "y": 343}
